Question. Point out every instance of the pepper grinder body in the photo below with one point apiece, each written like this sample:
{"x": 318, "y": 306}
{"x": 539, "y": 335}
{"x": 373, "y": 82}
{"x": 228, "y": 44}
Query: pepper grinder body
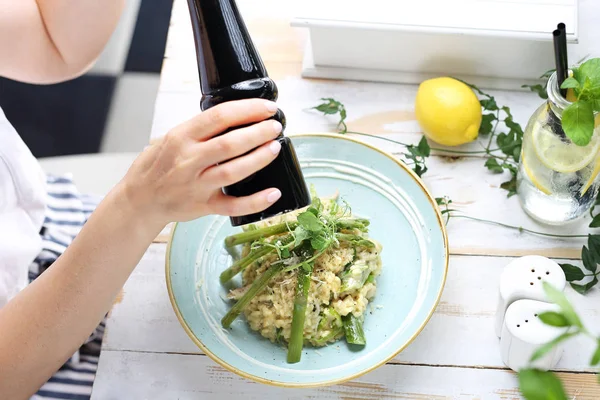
{"x": 231, "y": 69}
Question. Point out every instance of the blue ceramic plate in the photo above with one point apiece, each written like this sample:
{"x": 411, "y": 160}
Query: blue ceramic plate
{"x": 404, "y": 219}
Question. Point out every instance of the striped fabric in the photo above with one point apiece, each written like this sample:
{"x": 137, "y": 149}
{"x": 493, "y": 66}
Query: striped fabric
{"x": 66, "y": 212}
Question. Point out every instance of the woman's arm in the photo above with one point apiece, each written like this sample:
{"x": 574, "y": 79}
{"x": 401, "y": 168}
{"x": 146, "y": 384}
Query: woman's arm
{"x": 175, "y": 179}
{"x": 46, "y": 41}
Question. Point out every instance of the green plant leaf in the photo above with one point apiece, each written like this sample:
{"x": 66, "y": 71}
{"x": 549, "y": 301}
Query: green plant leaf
{"x": 540, "y": 385}
{"x": 510, "y": 186}
{"x": 310, "y": 222}
{"x": 318, "y": 242}
{"x": 557, "y": 297}
{"x": 493, "y": 165}
{"x": 588, "y": 259}
{"x": 583, "y": 289}
{"x": 572, "y": 273}
{"x": 596, "y": 357}
{"x": 487, "y": 124}
{"x": 570, "y": 83}
{"x": 578, "y": 122}
{"x": 423, "y": 147}
{"x": 489, "y": 104}
{"x": 595, "y": 222}
{"x": 590, "y": 70}
{"x": 301, "y": 235}
{"x": 539, "y": 89}
{"x": 553, "y": 318}
{"x": 543, "y": 350}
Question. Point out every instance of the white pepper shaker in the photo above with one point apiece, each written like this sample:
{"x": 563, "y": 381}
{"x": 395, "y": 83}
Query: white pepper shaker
{"x": 522, "y": 279}
{"x": 523, "y": 333}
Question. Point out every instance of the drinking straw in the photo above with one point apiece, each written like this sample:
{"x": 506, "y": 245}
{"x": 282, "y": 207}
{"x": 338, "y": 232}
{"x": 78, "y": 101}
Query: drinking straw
{"x": 559, "y": 59}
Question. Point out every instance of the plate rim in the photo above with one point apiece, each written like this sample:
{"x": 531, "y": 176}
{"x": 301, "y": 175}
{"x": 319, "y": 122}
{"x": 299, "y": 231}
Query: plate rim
{"x": 270, "y": 382}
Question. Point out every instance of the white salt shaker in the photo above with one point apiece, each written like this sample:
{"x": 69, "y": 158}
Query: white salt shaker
{"x": 522, "y": 279}
{"x": 523, "y": 333}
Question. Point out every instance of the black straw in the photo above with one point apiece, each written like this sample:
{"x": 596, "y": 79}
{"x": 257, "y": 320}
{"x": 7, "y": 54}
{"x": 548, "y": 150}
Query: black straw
{"x": 561, "y": 69}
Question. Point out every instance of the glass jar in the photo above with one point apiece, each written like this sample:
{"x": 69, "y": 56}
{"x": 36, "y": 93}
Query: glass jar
{"x": 557, "y": 181}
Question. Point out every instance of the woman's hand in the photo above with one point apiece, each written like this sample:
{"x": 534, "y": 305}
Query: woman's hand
{"x": 177, "y": 177}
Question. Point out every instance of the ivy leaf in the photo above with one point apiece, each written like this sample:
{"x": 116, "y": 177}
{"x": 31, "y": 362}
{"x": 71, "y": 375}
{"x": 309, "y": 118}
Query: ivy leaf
{"x": 578, "y": 122}
{"x": 572, "y": 273}
{"x": 570, "y": 83}
{"x": 588, "y": 260}
{"x": 553, "y": 318}
{"x": 558, "y": 297}
{"x": 310, "y": 222}
{"x": 423, "y": 147}
{"x": 543, "y": 350}
{"x": 510, "y": 186}
{"x": 489, "y": 104}
{"x": 594, "y": 245}
{"x": 540, "y": 385}
{"x": 595, "y": 222}
{"x": 539, "y": 89}
{"x": 493, "y": 165}
{"x": 487, "y": 125}
{"x": 583, "y": 289}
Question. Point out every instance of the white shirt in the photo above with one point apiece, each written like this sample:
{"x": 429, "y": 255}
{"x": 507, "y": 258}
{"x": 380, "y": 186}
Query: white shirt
{"x": 22, "y": 209}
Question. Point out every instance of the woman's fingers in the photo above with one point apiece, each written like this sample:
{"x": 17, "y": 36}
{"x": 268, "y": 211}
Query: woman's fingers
{"x": 240, "y": 168}
{"x": 237, "y": 143}
{"x": 221, "y": 117}
{"x": 238, "y": 206}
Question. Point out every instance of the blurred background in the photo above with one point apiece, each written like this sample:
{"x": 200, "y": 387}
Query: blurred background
{"x": 110, "y": 108}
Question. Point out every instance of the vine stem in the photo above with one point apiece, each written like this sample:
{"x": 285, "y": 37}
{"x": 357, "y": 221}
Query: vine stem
{"x": 518, "y": 228}
{"x": 432, "y": 148}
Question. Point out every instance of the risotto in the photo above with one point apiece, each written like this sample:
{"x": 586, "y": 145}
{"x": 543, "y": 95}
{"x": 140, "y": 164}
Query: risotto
{"x": 339, "y": 279}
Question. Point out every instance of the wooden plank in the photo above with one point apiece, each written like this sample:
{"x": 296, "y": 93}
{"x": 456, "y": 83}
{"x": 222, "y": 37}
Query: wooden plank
{"x": 133, "y": 375}
{"x": 461, "y": 332}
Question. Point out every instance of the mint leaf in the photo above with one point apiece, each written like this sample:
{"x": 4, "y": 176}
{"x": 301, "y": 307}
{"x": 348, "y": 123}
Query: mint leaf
{"x": 590, "y": 70}
{"x": 493, "y": 165}
{"x": 572, "y": 273}
{"x": 486, "y": 126}
{"x": 596, "y": 357}
{"x": 554, "y": 319}
{"x": 588, "y": 260}
{"x": 583, "y": 289}
{"x": 540, "y": 385}
{"x": 578, "y": 122}
{"x": 570, "y": 83}
{"x": 543, "y": 350}
{"x": 310, "y": 222}
{"x": 557, "y": 297}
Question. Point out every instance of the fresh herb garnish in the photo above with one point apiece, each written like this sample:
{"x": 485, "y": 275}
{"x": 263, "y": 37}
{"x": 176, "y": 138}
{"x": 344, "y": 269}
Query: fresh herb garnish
{"x": 578, "y": 117}
{"x": 536, "y": 384}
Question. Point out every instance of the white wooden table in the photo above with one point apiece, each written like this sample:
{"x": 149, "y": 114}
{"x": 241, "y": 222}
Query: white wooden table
{"x": 147, "y": 355}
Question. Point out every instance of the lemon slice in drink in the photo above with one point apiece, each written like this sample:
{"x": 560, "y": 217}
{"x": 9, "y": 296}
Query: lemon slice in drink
{"x": 596, "y": 171}
{"x": 560, "y": 156}
{"x": 538, "y": 176}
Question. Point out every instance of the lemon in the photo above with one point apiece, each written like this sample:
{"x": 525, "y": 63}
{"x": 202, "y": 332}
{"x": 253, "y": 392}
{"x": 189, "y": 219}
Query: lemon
{"x": 560, "y": 156}
{"x": 448, "y": 111}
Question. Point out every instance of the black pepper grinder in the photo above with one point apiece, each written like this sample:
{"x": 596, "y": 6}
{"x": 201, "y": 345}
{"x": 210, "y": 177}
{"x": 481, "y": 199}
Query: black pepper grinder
{"x": 231, "y": 69}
